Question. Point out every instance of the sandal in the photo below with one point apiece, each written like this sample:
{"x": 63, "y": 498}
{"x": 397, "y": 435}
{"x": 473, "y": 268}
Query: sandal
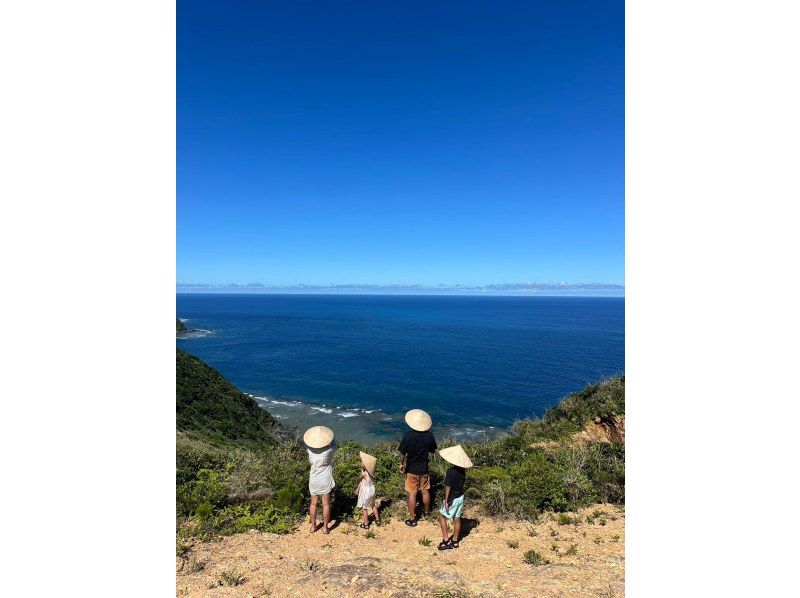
{"x": 445, "y": 545}
{"x": 364, "y": 526}
{"x": 454, "y": 543}
{"x": 378, "y": 522}
{"x": 411, "y": 522}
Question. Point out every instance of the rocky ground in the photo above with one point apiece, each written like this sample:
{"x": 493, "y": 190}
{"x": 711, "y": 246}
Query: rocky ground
{"x": 586, "y": 557}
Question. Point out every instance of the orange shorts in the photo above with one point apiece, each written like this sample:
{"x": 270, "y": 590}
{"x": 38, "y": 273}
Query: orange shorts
{"x": 416, "y": 482}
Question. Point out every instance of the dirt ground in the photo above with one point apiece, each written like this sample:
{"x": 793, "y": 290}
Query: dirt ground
{"x": 586, "y": 559}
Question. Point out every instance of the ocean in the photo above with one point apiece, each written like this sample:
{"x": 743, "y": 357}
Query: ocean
{"x": 357, "y": 363}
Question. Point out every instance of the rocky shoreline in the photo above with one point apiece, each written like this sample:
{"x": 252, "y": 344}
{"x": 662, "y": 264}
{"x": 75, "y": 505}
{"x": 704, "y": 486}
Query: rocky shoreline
{"x": 181, "y": 330}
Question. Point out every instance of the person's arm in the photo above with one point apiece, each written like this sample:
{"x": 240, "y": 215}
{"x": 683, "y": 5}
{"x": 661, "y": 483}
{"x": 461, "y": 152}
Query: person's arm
{"x": 447, "y": 498}
{"x": 403, "y": 448}
{"x": 432, "y": 448}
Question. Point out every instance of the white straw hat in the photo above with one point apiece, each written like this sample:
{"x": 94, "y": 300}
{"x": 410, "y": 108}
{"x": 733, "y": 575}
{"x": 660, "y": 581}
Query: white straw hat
{"x": 318, "y": 437}
{"x": 369, "y": 462}
{"x": 456, "y": 456}
{"x": 418, "y": 420}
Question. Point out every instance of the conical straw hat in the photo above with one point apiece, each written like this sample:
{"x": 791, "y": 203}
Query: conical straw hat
{"x": 456, "y": 456}
{"x": 418, "y": 420}
{"x": 318, "y": 437}
{"x": 369, "y": 462}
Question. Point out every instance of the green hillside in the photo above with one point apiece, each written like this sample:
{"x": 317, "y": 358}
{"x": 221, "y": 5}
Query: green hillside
{"x": 210, "y": 407}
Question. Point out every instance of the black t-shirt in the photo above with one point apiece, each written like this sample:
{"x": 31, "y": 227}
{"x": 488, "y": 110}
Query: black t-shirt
{"x": 416, "y": 446}
{"x": 455, "y": 478}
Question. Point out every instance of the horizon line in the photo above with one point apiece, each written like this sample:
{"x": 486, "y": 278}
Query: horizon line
{"x": 514, "y": 289}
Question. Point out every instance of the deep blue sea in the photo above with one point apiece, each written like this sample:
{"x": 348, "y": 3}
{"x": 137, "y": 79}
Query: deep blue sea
{"x": 357, "y": 363}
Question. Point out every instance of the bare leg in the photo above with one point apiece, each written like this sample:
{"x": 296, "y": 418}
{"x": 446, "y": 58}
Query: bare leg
{"x": 443, "y": 525}
{"x": 412, "y": 505}
{"x": 457, "y": 529}
{"x": 326, "y": 511}
{"x": 313, "y": 512}
{"x": 376, "y": 513}
{"x": 365, "y": 516}
{"x": 426, "y": 501}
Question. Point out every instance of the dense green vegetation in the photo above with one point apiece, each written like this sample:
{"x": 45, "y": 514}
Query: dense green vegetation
{"x": 211, "y": 408}
{"x": 602, "y": 399}
{"x": 239, "y": 469}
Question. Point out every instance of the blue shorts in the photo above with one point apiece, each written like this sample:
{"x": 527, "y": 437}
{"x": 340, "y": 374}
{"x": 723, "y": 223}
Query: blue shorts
{"x": 456, "y": 506}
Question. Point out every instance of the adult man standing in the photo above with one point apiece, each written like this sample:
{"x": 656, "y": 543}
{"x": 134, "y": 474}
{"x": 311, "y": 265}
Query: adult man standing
{"x": 415, "y": 447}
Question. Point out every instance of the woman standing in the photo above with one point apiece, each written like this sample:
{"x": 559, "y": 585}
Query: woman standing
{"x": 321, "y": 447}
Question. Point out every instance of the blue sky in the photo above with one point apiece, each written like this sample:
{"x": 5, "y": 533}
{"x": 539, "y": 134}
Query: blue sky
{"x": 400, "y": 142}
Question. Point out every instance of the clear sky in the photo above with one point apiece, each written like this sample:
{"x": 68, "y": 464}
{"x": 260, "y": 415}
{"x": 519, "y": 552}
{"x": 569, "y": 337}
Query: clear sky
{"x": 400, "y": 142}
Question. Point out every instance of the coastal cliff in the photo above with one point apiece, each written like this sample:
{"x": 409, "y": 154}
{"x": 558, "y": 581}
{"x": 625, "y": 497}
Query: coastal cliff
{"x": 211, "y": 408}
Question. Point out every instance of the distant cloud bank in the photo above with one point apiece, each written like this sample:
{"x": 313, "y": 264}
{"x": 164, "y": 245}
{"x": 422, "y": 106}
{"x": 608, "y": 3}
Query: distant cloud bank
{"x": 517, "y": 288}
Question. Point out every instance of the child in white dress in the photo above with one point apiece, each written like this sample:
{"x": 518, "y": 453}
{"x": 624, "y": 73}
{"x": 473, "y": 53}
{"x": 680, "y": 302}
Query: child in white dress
{"x": 366, "y": 491}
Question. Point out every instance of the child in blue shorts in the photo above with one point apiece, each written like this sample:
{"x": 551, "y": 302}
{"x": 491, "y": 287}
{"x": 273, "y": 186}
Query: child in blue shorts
{"x": 453, "y": 503}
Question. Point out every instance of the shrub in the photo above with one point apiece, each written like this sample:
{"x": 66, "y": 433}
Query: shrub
{"x": 266, "y": 518}
{"x": 564, "y": 519}
{"x": 206, "y": 488}
{"x": 289, "y": 498}
{"x": 181, "y": 549}
{"x": 192, "y": 455}
{"x": 425, "y": 541}
{"x": 605, "y": 468}
{"x": 539, "y": 486}
{"x": 531, "y": 557}
{"x": 493, "y": 499}
{"x": 272, "y": 469}
{"x": 204, "y": 510}
{"x": 232, "y": 519}
{"x": 480, "y": 477}
{"x": 231, "y": 577}
{"x": 572, "y": 550}
{"x": 513, "y": 544}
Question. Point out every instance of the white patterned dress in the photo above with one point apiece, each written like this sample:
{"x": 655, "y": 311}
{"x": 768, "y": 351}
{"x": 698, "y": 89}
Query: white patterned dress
{"x": 366, "y": 492}
{"x": 320, "y": 479}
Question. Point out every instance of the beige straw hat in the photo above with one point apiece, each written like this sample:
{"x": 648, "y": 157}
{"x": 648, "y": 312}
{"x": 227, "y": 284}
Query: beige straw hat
{"x": 456, "y": 456}
{"x": 369, "y": 462}
{"x": 418, "y": 420}
{"x": 318, "y": 437}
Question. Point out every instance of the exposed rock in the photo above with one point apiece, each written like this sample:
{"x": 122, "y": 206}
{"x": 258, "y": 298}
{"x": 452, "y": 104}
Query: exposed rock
{"x": 608, "y": 429}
